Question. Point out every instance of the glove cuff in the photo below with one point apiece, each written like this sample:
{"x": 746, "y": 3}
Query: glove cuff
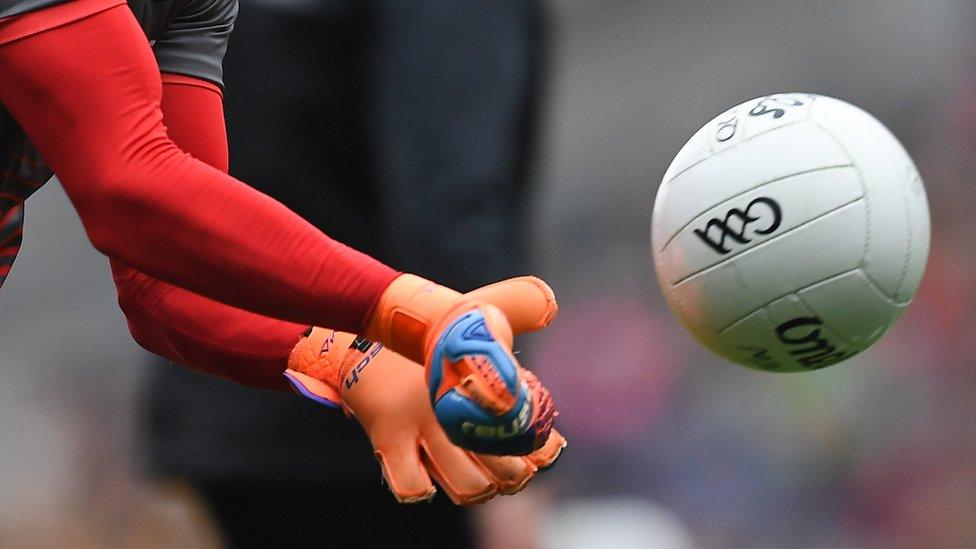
{"x": 319, "y": 362}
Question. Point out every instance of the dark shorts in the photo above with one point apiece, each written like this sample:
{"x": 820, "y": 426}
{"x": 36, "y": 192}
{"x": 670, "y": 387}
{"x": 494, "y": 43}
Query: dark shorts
{"x": 21, "y": 173}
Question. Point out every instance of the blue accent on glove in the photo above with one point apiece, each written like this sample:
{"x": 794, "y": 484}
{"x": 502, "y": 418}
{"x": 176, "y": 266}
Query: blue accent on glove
{"x": 307, "y": 393}
{"x": 467, "y": 424}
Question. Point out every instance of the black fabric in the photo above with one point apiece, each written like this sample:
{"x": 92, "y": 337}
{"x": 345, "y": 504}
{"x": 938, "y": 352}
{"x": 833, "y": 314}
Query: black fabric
{"x": 296, "y": 515}
{"x": 189, "y": 36}
{"x": 22, "y": 172}
{"x": 17, "y": 7}
{"x": 451, "y": 87}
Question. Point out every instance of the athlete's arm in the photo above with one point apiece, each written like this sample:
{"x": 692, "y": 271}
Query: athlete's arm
{"x": 203, "y": 334}
{"x": 88, "y": 95}
{"x": 185, "y": 327}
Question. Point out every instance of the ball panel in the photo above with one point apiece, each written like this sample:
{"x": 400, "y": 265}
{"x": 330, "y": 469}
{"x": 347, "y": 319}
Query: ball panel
{"x": 724, "y": 293}
{"x": 752, "y": 342}
{"x": 756, "y": 217}
{"x": 785, "y": 336}
{"x": 920, "y": 236}
{"x": 764, "y": 114}
{"x": 741, "y": 123}
{"x": 851, "y": 305}
{"x": 696, "y": 150}
{"x": 771, "y": 156}
{"x": 806, "y": 337}
{"x": 898, "y": 223}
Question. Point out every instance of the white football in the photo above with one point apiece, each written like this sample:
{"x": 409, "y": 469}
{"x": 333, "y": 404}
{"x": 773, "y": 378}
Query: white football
{"x": 790, "y": 232}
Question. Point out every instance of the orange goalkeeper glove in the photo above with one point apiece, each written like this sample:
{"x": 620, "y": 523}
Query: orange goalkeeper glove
{"x": 485, "y": 401}
{"x": 387, "y": 395}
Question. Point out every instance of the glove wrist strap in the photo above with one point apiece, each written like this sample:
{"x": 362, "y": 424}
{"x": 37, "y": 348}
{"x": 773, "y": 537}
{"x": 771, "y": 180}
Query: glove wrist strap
{"x": 407, "y": 310}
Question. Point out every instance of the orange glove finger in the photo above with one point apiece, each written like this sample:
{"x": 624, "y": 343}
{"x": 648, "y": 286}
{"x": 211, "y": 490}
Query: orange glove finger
{"x": 544, "y": 457}
{"x": 457, "y": 474}
{"x": 512, "y": 473}
{"x": 529, "y": 303}
{"x": 509, "y": 473}
{"x": 404, "y": 472}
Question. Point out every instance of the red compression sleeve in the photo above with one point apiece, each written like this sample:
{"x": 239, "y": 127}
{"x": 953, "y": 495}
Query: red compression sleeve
{"x": 193, "y": 113}
{"x": 88, "y": 95}
{"x": 185, "y": 327}
{"x": 205, "y": 335}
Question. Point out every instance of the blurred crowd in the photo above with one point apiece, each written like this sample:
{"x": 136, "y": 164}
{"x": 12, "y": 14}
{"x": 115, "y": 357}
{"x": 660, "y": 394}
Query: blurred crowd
{"x": 669, "y": 445}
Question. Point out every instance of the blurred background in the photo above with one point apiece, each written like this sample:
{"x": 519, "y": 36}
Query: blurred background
{"x": 669, "y": 446}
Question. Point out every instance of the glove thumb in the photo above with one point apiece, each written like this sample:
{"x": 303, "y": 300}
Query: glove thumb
{"x": 529, "y": 303}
